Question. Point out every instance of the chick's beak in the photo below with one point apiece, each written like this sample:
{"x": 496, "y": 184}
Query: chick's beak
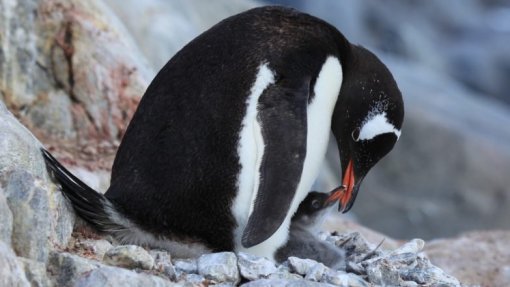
{"x": 346, "y": 194}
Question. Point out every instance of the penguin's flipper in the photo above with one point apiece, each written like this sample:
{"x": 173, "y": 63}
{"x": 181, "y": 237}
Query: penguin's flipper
{"x": 283, "y": 119}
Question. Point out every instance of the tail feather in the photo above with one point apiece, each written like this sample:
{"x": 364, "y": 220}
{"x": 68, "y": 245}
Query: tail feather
{"x": 89, "y": 204}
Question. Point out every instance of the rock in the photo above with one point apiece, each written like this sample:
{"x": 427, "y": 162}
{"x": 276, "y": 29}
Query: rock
{"x": 129, "y": 256}
{"x": 316, "y": 272}
{"x": 20, "y": 154}
{"x": 356, "y": 247}
{"x": 283, "y": 272}
{"x": 301, "y": 266}
{"x": 284, "y": 283}
{"x": 475, "y": 258}
{"x": 404, "y": 269}
{"x": 19, "y": 149}
{"x": 35, "y": 272}
{"x": 163, "y": 263}
{"x": 29, "y": 201}
{"x": 11, "y": 270}
{"x": 6, "y": 219}
{"x": 413, "y": 246}
{"x": 340, "y": 278}
{"x": 97, "y": 247}
{"x": 64, "y": 268}
{"x": 186, "y": 266}
{"x": 70, "y": 71}
{"x": 194, "y": 280}
{"x": 219, "y": 267}
{"x": 253, "y": 267}
{"x": 114, "y": 276}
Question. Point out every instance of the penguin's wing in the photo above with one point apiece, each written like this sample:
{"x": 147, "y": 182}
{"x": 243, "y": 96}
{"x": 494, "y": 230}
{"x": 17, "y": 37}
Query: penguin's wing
{"x": 283, "y": 119}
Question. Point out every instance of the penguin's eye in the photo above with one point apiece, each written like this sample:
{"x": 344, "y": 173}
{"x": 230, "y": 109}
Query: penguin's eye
{"x": 355, "y": 134}
{"x": 316, "y": 204}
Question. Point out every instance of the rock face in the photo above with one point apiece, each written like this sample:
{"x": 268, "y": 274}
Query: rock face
{"x": 11, "y": 270}
{"x": 69, "y": 71}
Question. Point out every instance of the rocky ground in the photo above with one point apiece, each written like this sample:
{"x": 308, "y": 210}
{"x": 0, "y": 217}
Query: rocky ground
{"x": 72, "y": 73}
{"x": 38, "y": 246}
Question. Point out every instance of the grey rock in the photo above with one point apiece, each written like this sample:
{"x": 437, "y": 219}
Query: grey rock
{"x": 114, "y": 276}
{"x": 254, "y": 267}
{"x": 283, "y": 272}
{"x": 64, "y": 268}
{"x": 354, "y": 245}
{"x": 60, "y": 70}
{"x": 426, "y": 273}
{"x": 413, "y": 246}
{"x": 163, "y": 263}
{"x": 316, "y": 272}
{"x": 35, "y": 272}
{"x": 11, "y": 271}
{"x": 406, "y": 268}
{"x": 19, "y": 150}
{"x": 219, "y": 267}
{"x": 98, "y": 247}
{"x": 186, "y": 266}
{"x": 160, "y": 256}
{"x": 340, "y": 278}
{"x": 301, "y": 266}
{"x": 29, "y": 202}
{"x": 284, "y": 283}
{"x": 193, "y": 279}
{"x": 6, "y": 219}
{"x": 129, "y": 256}
{"x": 224, "y": 285}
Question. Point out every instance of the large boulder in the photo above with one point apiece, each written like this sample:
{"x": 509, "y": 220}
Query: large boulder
{"x": 35, "y": 213}
{"x": 69, "y": 71}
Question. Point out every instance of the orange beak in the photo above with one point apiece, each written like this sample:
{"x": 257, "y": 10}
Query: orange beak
{"x": 344, "y": 194}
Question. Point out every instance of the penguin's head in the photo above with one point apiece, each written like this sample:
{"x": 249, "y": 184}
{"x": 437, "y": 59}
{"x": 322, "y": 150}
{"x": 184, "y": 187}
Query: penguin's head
{"x": 312, "y": 208}
{"x": 366, "y": 122}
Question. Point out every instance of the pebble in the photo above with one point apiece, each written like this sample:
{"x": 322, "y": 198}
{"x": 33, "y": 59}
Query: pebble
{"x": 340, "y": 278}
{"x": 220, "y": 267}
{"x": 300, "y": 266}
{"x": 129, "y": 256}
{"x": 115, "y": 276}
{"x": 254, "y": 267}
{"x": 284, "y": 283}
{"x": 98, "y": 247}
{"x": 413, "y": 246}
{"x": 316, "y": 272}
{"x": 185, "y": 266}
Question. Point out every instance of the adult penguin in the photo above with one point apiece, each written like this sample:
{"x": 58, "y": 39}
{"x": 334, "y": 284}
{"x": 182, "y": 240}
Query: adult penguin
{"x": 230, "y": 135}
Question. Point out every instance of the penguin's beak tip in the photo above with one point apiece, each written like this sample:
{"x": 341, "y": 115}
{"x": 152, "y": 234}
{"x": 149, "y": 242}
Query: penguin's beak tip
{"x": 346, "y": 193}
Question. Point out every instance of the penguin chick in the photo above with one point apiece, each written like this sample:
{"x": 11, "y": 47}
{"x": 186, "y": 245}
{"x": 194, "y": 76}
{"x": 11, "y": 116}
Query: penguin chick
{"x": 303, "y": 242}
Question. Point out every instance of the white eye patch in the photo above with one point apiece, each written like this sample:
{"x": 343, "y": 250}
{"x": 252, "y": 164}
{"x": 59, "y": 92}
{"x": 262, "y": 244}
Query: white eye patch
{"x": 377, "y": 125}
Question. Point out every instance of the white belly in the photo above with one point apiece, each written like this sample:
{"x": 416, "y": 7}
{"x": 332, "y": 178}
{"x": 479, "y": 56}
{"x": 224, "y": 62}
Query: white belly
{"x": 251, "y": 149}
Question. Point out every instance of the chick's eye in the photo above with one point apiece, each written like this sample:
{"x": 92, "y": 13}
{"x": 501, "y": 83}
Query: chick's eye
{"x": 355, "y": 134}
{"x": 316, "y": 204}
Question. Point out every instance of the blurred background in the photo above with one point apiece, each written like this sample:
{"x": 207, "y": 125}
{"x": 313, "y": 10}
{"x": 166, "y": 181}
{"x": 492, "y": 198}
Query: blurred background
{"x": 73, "y": 72}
